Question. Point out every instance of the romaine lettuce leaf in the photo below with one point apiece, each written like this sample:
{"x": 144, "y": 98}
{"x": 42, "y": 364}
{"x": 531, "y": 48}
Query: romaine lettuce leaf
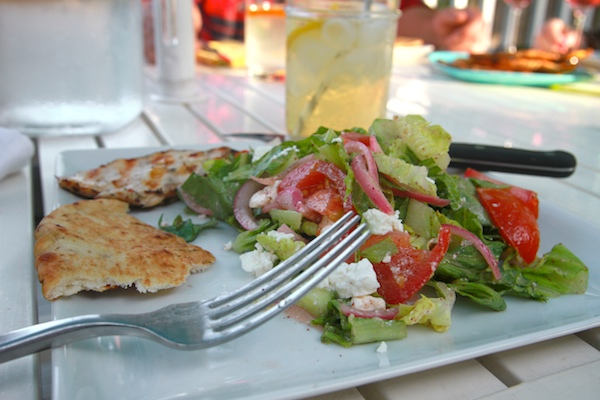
{"x": 424, "y": 140}
{"x": 431, "y": 311}
{"x": 410, "y": 176}
{"x": 556, "y": 273}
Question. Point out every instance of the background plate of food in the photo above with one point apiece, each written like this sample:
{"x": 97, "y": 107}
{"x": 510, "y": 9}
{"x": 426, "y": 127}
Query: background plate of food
{"x": 524, "y": 68}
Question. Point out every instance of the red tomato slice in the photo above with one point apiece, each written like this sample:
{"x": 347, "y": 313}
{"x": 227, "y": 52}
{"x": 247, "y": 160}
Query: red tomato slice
{"x": 528, "y": 197}
{"x": 410, "y": 269}
{"x": 328, "y": 203}
{"x": 322, "y": 185}
{"x": 517, "y": 224}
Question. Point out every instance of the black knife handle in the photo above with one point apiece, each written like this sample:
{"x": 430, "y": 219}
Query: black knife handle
{"x": 558, "y": 163}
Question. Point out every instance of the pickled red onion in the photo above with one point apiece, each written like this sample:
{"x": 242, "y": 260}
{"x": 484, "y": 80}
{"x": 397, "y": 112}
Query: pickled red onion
{"x": 355, "y": 146}
{"x": 388, "y": 313}
{"x": 374, "y": 144}
{"x": 241, "y": 208}
{"x": 433, "y": 200}
{"x": 370, "y": 185}
{"x": 479, "y": 245}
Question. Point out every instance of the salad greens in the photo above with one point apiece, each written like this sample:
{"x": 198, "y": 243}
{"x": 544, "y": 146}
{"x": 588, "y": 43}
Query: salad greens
{"x": 394, "y": 171}
{"x": 186, "y": 228}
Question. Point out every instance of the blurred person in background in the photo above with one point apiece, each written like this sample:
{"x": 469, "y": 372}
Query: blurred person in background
{"x": 559, "y": 37}
{"x": 445, "y": 28}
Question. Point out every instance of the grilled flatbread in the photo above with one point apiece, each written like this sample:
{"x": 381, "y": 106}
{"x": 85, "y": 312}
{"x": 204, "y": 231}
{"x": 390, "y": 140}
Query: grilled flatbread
{"x": 94, "y": 245}
{"x": 142, "y": 182}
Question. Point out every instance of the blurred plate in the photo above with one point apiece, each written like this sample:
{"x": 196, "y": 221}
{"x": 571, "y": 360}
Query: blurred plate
{"x": 501, "y": 77}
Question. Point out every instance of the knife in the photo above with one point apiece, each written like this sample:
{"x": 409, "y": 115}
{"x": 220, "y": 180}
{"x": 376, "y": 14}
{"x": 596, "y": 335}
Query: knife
{"x": 557, "y": 163}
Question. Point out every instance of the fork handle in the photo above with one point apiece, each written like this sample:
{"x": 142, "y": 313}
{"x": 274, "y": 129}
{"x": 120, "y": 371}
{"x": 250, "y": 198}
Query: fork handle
{"x": 43, "y": 336}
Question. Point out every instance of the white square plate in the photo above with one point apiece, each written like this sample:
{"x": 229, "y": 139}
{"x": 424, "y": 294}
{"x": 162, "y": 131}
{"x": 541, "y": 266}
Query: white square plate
{"x": 285, "y": 358}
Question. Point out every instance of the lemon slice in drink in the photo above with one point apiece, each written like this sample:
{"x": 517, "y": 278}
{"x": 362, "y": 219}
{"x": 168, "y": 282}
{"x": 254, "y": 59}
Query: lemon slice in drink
{"x": 303, "y": 28}
{"x": 339, "y": 34}
{"x": 308, "y": 55}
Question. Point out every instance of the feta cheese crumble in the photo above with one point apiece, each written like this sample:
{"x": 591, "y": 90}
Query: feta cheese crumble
{"x": 352, "y": 280}
{"x": 368, "y": 303}
{"x": 264, "y": 196}
{"x": 382, "y": 348}
{"x": 279, "y": 236}
{"x": 380, "y": 223}
{"x": 287, "y": 150}
{"x": 258, "y": 262}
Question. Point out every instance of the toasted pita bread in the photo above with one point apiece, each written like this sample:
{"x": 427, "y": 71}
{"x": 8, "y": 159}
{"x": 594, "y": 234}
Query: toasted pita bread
{"x": 95, "y": 245}
{"x": 144, "y": 181}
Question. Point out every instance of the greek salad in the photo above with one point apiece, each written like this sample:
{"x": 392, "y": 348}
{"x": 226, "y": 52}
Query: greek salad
{"x": 435, "y": 236}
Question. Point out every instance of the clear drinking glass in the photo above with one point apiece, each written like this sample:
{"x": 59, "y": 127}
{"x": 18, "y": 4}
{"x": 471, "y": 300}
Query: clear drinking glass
{"x": 339, "y": 59}
{"x": 264, "y": 38}
{"x": 516, "y": 8}
{"x": 174, "y": 44}
{"x": 70, "y": 67}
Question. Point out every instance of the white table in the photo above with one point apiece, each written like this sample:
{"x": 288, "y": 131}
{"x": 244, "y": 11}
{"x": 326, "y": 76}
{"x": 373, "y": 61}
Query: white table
{"x": 566, "y": 367}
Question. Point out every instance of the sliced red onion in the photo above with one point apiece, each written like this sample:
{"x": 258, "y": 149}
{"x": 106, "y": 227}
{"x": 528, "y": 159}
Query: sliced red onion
{"x": 425, "y": 198}
{"x": 355, "y": 146}
{"x": 308, "y": 213}
{"x": 374, "y": 145}
{"x": 388, "y": 313}
{"x": 352, "y": 135}
{"x": 479, "y": 245}
{"x": 241, "y": 208}
{"x": 289, "y": 198}
{"x": 370, "y": 186}
{"x": 191, "y": 203}
{"x": 268, "y": 181}
{"x": 286, "y": 229}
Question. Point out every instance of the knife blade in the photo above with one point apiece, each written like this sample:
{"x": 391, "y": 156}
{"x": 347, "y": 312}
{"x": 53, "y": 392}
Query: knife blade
{"x": 556, "y": 164}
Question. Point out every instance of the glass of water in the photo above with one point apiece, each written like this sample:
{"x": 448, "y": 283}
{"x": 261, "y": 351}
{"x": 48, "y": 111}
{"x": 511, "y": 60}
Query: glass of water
{"x": 70, "y": 67}
{"x": 264, "y": 38}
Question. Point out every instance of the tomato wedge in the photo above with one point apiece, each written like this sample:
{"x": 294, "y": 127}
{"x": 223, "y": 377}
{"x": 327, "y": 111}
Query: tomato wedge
{"x": 517, "y": 224}
{"x": 528, "y": 197}
{"x": 327, "y": 203}
{"x": 409, "y": 269}
{"x": 323, "y": 189}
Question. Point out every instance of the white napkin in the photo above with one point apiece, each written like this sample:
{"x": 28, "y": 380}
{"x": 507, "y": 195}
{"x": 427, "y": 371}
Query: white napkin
{"x": 16, "y": 151}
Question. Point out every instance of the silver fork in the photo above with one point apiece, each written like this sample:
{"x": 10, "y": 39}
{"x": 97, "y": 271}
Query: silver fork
{"x": 202, "y": 324}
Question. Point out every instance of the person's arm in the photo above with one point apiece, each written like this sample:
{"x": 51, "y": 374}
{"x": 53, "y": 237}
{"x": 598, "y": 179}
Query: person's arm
{"x": 555, "y": 36}
{"x": 416, "y": 22}
{"x": 446, "y": 29}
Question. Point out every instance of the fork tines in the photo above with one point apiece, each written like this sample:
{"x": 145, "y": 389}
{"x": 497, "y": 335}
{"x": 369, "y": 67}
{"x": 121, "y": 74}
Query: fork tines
{"x": 233, "y": 314}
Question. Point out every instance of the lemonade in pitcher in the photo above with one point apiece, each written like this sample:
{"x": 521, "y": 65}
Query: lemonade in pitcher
{"x": 338, "y": 65}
